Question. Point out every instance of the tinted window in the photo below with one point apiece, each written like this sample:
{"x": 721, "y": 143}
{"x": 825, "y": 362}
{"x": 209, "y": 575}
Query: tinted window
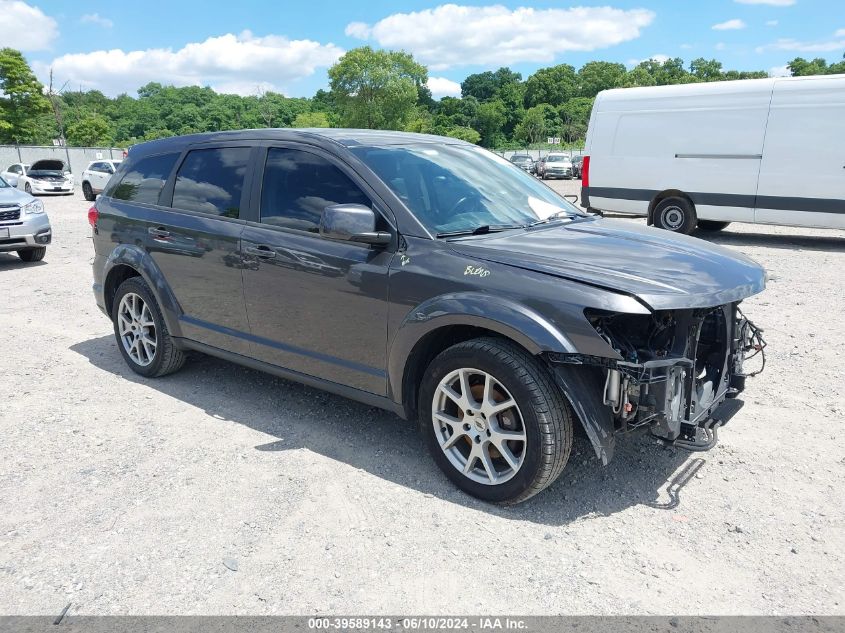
{"x": 299, "y": 185}
{"x": 145, "y": 179}
{"x": 15, "y": 169}
{"x": 211, "y": 181}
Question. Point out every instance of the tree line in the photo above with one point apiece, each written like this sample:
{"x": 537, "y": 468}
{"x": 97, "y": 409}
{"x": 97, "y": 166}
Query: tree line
{"x": 377, "y": 89}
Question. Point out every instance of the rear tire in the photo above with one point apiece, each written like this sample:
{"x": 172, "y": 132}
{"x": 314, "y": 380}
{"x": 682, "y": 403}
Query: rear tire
{"x": 676, "y": 215}
{"x": 33, "y": 254}
{"x": 711, "y": 225}
{"x": 141, "y": 333}
{"x": 88, "y": 192}
{"x": 469, "y": 436}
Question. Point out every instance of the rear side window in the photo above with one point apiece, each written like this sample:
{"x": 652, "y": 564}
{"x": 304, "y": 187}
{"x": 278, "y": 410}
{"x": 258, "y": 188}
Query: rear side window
{"x": 299, "y": 185}
{"x": 145, "y": 179}
{"x": 212, "y": 181}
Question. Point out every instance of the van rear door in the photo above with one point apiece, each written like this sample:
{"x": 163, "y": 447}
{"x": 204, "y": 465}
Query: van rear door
{"x": 802, "y": 174}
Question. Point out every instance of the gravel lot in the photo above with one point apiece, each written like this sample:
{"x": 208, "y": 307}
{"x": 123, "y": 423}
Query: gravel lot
{"x": 221, "y": 490}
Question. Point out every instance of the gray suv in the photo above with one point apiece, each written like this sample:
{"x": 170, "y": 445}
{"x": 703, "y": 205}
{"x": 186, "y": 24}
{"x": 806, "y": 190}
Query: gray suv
{"x": 24, "y": 226}
{"x": 429, "y": 277}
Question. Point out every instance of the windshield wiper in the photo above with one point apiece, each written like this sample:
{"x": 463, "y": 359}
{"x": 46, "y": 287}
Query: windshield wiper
{"x": 481, "y": 230}
{"x": 554, "y": 216}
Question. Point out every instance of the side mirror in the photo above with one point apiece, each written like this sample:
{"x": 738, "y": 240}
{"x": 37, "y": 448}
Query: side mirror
{"x": 351, "y": 223}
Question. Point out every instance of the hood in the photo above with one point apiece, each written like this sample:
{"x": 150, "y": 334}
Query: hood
{"x": 664, "y": 270}
{"x": 10, "y": 195}
{"x": 48, "y": 165}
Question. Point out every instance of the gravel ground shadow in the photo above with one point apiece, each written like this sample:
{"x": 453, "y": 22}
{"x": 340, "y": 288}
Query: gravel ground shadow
{"x": 10, "y": 261}
{"x": 643, "y": 472}
{"x": 770, "y": 240}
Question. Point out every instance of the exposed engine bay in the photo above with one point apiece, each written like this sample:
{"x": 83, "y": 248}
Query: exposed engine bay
{"x": 677, "y": 370}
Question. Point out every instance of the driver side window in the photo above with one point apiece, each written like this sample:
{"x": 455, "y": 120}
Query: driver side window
{"x": 298, "y": 185}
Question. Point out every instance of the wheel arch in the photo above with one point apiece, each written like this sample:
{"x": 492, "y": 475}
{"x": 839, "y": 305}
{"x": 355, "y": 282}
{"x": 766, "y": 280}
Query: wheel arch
{"x": 129, "y": 260}
{"x": 445, "y": 321}
{"x": 660, "y": 197}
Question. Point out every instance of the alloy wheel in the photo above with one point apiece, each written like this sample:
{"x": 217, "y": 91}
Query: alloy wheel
{"x": 137, "y": 329}
{"x": 478, "y": 426}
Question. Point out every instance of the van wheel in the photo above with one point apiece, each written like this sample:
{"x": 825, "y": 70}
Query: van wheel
{"x": 141, "y": 333}
{"x": 674, "y": 214}
{"x": 494, "y": 420}
{"x": 88, "y": 192}
{"x": 711, "y": 225}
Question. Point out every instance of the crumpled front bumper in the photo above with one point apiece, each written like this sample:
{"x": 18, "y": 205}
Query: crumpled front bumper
{"x": 664, "y": 394}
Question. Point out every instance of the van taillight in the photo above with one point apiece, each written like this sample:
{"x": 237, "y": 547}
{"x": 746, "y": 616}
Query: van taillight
{"x": 93, "y": 216}
{"x": 585, "y": 172}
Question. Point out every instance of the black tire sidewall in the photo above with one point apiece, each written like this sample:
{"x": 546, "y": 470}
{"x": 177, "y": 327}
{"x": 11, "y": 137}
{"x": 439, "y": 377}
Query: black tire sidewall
{"x": 33, "y": 254}
{"x": 690, "y": 219}
{"x": 139, "y": 287}
{"x": 451, "y": 360}
{"x": 87, "y": 191}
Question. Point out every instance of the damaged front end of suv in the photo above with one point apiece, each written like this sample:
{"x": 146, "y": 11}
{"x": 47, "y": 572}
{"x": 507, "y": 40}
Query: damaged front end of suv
{"x": 677, "y": 373}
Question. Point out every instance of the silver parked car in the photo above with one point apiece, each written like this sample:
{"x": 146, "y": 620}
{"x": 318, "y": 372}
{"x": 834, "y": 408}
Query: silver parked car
{"x": 24, "y": 226}
{"x": 556, "y": 166}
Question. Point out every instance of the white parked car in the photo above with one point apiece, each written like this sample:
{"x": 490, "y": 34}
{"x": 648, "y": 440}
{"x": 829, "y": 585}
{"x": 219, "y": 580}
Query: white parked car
{"x": 713, "y": 153}
{"x": 47, "y": 176}
{"x": 14, "y": 172}
{"x": 96, "y": 176}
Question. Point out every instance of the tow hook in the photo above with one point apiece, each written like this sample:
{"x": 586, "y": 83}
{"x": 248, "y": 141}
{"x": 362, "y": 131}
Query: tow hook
{"x": 698, "y": 438}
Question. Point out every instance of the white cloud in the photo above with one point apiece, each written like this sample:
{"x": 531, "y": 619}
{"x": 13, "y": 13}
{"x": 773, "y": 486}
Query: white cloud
{"x": 454, "y": 35}
{"x": 359, "y": 30}
{"x": 822, "y": 46}
{"x": 771, "y": 22}
{"x": 442, "y": 87}
{"x": 25, "y": 27}
{"x": 729, "y": 25}
{"x": 96, "y": 18}
{"x": 774, "y": 3}
{"x": 779, "y": 71}
{"x": 238, "y": 63}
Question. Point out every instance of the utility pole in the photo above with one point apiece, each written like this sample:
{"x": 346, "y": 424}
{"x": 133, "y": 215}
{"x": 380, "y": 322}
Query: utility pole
{"x": 57, "y": 112}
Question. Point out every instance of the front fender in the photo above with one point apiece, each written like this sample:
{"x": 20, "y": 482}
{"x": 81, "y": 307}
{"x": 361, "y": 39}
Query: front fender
{"x": 140, "y": 260}
{"x": 512, "y": 320}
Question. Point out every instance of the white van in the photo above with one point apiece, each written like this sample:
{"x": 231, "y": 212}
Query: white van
{"x": 770, "y": 151}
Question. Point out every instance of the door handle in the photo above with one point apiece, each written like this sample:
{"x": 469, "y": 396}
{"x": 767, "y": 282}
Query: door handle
{"x": 261, "y": 251}
{"x": 159, "y": 231}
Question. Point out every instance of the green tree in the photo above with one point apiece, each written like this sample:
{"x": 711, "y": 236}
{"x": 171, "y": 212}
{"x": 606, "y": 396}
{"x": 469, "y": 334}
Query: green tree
{"x": 311, "y": 119}
{"x": 463, "y": 133}
{"x": 706, "y": 69}
{"x": 800, "y": 67}
{"x": 597, "y": 76}
{"x": 22, "y": 99}
{"x": 534, "y": 126}
{"x": 91, "y": 131}
{"x": 487, "y": 85}
{"x": 554, "y": 86}
{"x": 489, "y": 120}
{"x": 376, "y": 88}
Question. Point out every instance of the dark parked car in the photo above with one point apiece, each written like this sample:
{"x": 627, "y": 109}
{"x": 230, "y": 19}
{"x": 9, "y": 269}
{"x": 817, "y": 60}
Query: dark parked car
{"x": 576, "y": 165}
{"x": 429, "y": 277}
{"x": 524, "y": 161}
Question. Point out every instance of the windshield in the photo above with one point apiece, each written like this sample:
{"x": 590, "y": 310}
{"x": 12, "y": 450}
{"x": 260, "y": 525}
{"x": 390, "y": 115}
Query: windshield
{"x": 452, "y": 188}
{"x": 557, "y": 159}
{"x": 520, "y": 158}
{"x": 3, "y": 183}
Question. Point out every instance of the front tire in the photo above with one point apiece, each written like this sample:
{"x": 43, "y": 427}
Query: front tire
{"x": 494, "y": 420}
{"x": 88, "y": 192}
{"x": 33, "y": 254}
{"x": 141, "y": 333}
{"x": 676, "y": 215}
{"x": 27, "y": 188}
